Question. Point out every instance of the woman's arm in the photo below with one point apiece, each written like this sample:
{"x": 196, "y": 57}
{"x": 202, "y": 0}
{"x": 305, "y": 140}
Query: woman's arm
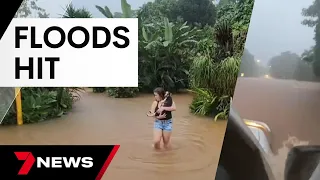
{"x": 152, "y": 112}
{"x": 161, "y": 116}
{"x": 171, "y": 108}
{"x": 152, "y": 109}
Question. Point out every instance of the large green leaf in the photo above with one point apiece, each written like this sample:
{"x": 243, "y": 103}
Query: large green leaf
{"x": 126, "y": 9}
{"x": 144, "y": 34}
{"x": 105, "y": 11}
{"x": 167, "y": 30}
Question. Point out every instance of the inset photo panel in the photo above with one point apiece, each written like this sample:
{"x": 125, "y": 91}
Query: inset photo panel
{"x": 171, "y": 125}
{"x": 273, "y": 128}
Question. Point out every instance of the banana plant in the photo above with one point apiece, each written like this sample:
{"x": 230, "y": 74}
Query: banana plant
{"x": 164, "y": 56}
{"x": 105, "y": 11}
{"x": 125, "y": 6}
{"x": 126, "y": 9}
{"x": 168, "y": 36}
{"x": 176, "y": 34}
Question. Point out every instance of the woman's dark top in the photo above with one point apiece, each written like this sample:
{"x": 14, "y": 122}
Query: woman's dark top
{"x": 167, "y": 103}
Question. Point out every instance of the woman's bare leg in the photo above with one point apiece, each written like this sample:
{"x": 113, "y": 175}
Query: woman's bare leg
{"x": 157, "y": 136}
{"x": 167, "y": 133}
{"x": 166, "y": 139}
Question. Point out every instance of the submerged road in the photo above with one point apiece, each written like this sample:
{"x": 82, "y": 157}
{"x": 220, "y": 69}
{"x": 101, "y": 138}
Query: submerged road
{"x": 290, "y": 108}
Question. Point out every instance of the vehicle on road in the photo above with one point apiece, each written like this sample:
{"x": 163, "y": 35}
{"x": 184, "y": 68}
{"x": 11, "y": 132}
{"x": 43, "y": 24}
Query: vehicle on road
{"x": 262, "y": 133}
{"x": 244, "y": 154}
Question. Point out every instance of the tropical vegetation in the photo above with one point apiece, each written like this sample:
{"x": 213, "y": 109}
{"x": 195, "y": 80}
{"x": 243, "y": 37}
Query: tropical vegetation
{"x": 41, "y": 104}
{"x": 312, "y": 55}
{"x": 183, "y": 44}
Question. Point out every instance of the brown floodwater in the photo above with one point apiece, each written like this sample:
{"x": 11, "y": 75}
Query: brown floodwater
{"x": 98, "y": 119}
{"x": 290, "y": 108}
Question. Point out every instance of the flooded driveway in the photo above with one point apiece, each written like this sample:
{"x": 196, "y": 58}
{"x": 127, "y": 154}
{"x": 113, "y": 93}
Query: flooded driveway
{"x": 97, "y": 119}
{"x": 290, "y": 108}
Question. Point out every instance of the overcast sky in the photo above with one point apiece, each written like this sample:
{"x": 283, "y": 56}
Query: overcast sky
{"x": 275, "y": 24}
{"x": 276, "y": 27}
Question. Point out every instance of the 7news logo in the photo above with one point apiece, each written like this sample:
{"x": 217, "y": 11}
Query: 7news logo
{"x": 51, "y": 162}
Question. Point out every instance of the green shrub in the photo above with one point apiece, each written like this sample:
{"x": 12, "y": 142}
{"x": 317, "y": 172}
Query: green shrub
{"x": 122, "y": 92}
{"x": 72, "y": 12}
{"x": 39, "y": 104}
{"x": 203, "y": 102}
{"x": 214, "y": 91}
{"x": 226, "y": 76}
{"x": 223, "y": 108}
{"x": 99, "y": 89}
{"x": 220, "y": 77}
{"x": 206, "y": 103}
{"x": 203, "y": 72}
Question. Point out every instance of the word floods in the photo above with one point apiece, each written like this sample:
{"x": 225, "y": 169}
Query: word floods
{"x": 70, "y": 52}
{"x": 63, "y": 36}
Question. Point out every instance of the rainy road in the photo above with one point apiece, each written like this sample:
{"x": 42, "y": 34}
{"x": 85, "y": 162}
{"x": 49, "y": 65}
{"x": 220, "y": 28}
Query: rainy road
{"x": 290, "y": 108}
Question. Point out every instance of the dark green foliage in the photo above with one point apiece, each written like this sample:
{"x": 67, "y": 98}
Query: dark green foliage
{"x": 236, "y": 13}
{"x": 284, "y": 65}
{"x": 164, "y": 55}
{"x": 204, "y": 102}
{"x": 313, "y": 20}
{"x": 304, "y": 72}
{"x": 249, "y": 66}
{"x": 232, "y": 26}
{"x": 316, "y": 62}
{"x": 152, "y": 12}
{"x": 195, "y": 12}
{"x": 289, "y": 65}
{"x": 215, "y": 69}
{"x": 39, "y": 104}
{"x": 99, "y": 89}
{"x": 201, "y": 12}
{"x": 308, "y": 55}
{"x": 72, "y": 12}
{"x": 224, "y": 39}
{"x": 122, "y": 92}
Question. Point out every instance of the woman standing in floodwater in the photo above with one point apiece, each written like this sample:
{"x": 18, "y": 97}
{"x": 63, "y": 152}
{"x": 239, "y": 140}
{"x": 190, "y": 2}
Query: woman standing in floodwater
{"x": 161, "y": 110}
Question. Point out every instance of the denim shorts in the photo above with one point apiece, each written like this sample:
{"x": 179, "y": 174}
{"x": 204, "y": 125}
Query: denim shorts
{"x": 165, "y": 125}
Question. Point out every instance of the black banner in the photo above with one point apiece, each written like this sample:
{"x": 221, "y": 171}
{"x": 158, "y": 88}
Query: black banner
{"x": 55, "y": 161}
{"x": 7, "y": 16}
